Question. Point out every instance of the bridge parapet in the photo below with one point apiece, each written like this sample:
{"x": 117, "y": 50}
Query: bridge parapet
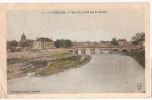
{"x": 122, "y": 48}
{"x": 111, "y": 46}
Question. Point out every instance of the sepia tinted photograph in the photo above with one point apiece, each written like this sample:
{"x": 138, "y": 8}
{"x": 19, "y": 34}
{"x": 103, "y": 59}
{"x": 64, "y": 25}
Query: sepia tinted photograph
{"x": 76, "y": 50}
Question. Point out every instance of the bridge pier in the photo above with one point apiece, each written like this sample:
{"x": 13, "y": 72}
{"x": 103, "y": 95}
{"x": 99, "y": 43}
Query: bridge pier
{"x": 101, "y": 51}
{"x": 92, "y": 51}
{"x": 83, "y": 51}
{"x": 110, "y": 51}
{"x": 76, "y": 51}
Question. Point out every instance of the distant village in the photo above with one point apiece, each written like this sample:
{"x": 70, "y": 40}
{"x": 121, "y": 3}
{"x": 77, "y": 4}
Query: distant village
{"x": 44, "y": 56}
{"x": 45, "y": 43}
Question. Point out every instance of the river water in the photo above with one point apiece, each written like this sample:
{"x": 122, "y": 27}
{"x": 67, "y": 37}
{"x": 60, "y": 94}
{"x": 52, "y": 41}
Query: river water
{"x": 105, "y": 73}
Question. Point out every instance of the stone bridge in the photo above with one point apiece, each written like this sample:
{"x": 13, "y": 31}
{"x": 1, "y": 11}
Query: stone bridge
{"x": 109, "y": 49}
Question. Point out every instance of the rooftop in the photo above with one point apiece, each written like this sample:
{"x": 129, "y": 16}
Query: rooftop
{"x": 122, "y": 40}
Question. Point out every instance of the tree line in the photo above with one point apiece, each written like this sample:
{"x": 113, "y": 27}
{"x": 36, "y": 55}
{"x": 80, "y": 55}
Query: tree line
{"x": 136, "y": 39}
{"x": 65, "y": 43}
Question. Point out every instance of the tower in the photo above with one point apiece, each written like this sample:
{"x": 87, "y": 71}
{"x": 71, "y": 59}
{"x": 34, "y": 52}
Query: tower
{"x": 23, "y": 37}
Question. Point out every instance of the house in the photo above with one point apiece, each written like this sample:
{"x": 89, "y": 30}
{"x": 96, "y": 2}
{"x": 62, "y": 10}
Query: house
{"x": 105, "y": 43}
{"x": 122, "y": 42}
{"x": 43, "y": 43}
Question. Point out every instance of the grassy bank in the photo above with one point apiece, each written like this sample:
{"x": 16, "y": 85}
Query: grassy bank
{"x": 64, "y": 63}
{"x": 138, "y": 56}
{"x": 48, "y": 64}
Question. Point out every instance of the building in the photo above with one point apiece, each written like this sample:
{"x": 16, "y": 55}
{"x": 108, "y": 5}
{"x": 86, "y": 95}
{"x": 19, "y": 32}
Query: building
{"x": 105, "y": 43}
{"x": 85, "y": 44}
{"x": 80, "y": 44}
{"x": 43, "y": 43}
{"x": 122, "y": 42}
{"x": 23, "y": 37}
{"x": 25, "y": 44}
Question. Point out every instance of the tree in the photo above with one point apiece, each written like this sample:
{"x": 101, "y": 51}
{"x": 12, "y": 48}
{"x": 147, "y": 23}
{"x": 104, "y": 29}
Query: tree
{"x": 57, "y": 44}
{"x": 63, "y": 43}
{"x": 14, "y": 43}
{"x": 138, "y": 37}
{"x": 114, "y": 41}
{"x": 134, "y": 42}
{"x": 68, "y": 43}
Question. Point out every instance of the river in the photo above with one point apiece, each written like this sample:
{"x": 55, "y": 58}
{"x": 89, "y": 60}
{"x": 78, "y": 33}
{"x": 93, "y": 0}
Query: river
{"x": 105, "y": 73}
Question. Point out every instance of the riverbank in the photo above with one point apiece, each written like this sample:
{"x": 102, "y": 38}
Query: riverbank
{"x": 139, "y": 56}
{"x": 45, "y": 64}
{"x": 64, "y": 63}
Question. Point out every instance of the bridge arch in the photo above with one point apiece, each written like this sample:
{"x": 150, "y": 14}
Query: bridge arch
{"x": 70, "y": 51}
{"x": 124, "y": 50}
{"x": 88, "y": 51}
{"x": 97, "y": 51}
{"x": 92, "y": 51}
{"x": 115, "y": 51}
{"x": 83, "y": 51}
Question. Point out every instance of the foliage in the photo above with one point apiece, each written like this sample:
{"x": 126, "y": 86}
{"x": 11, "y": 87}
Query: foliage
{"x": 63, "y": 43}
{"x": 135, "y": 42}
{"x": 138, "y": 37}
{"x": 11, "y": 45}
{"x": 114, "y": 41}
{"x": 59, "y": 64}
{"x": 14, "y": 43}
{"x": 73, "y": 58}
{"x": 58, "y": 55}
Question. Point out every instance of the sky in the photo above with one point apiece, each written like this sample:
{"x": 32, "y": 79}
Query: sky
{"x": 116, "y": 23}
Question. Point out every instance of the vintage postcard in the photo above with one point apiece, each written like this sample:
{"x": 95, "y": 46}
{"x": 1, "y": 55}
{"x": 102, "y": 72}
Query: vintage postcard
{"x": 75, "y": 50}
